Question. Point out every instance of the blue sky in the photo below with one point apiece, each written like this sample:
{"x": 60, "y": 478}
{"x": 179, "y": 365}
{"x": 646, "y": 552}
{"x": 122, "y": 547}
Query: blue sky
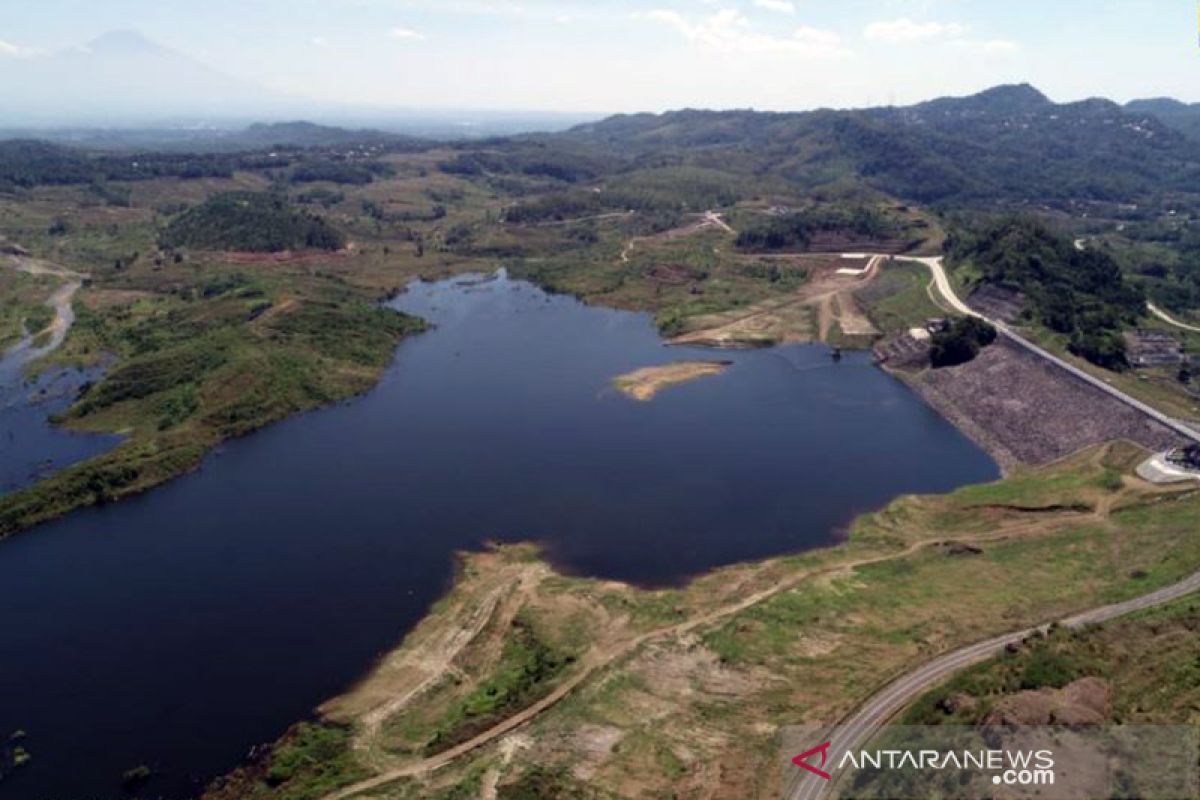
{"x": 623, "y": 55}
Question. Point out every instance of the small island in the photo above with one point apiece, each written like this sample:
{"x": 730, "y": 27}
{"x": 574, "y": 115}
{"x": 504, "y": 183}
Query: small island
{"x": 643, "y": 384}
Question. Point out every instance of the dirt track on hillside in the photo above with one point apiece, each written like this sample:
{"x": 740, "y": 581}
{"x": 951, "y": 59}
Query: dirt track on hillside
{"x": 610, "y": 653}
{"x": 61, "y": 301}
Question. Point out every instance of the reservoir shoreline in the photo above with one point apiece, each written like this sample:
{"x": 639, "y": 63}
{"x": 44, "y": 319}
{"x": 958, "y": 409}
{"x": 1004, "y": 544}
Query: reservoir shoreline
{"x": 313, "y": 546}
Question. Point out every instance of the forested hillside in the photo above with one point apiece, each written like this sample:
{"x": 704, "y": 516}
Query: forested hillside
{"x": 1081, "y": 293}
{"x": 1008, "y": 144}
{"x": 1183, "y": 117}
{"x": 250, "y": 221}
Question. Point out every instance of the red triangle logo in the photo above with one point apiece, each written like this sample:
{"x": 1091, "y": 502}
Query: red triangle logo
{"x": 802, "y": 760}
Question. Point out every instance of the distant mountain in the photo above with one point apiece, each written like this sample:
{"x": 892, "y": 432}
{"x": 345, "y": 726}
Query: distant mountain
{"x": 1009, "y": 143}
{"x": 1012, "y": 142}
{"x": 123, "y": 77}
{"x": 307, "y": 134}
{"x": 123, "y": 90}
{"x": 1010, "y": 100}
{"x": 225, "y": 134}
{"x": 1182, "y": 117}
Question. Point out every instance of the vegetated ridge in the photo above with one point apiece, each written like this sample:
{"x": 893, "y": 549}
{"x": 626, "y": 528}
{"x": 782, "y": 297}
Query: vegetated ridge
{"x": 251, "y": 221}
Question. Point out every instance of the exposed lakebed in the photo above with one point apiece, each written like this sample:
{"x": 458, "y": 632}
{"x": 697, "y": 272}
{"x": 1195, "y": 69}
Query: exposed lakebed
{"x": 178, "y": 628}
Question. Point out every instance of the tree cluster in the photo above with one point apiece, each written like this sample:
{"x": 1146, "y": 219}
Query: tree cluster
{"x": 1081, "y": 293}
{"x": 960, "y": 342}
{"x": 250, "y": 221}
{"x": 794, "y": 231}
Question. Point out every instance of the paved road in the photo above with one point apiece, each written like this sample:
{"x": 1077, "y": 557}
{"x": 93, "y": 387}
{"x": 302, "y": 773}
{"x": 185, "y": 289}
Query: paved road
{"x": 594, "y": 662}
{"x": 947, "y": 290}
{"x": 857, "y": 730}
{"x": 884, "y": 704}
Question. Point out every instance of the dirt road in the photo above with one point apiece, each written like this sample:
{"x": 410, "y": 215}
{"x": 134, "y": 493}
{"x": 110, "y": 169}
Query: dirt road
{"x": 826, "y": 297}
{"x": 857, "y": 730}
{"x": 713, "y": 218}
{"x": 883, "y": 705}
{"x": 1167, "y": 318}
{"x": 60, "y": 301}
{"x": 599, "y": 659}
{"x": 710, "y": 219}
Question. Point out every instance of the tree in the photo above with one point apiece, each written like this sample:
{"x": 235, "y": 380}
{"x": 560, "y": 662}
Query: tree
{"x": 1103, "y": 348}
{"x": 960, "y": 342}
{"x": 1080, "y": 293}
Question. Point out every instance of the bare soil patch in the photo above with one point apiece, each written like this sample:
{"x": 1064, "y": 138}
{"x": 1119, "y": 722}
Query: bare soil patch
{"x": 643, "y": 384}
{"x": 1086, "y": 701}
{"x": 801, "y": 316}
{"x": 850, "y": 317}
{"x": 671, "y": 275}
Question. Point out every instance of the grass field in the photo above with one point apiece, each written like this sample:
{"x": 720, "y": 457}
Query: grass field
{"x": 899, "y": 298}
{"x": 22, "y": 305}
{"x": 1159, "y": 690}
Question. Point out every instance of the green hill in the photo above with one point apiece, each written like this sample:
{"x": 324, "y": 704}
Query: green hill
{"x": 253, "y": 222}
{"x": 1183, "y": 117}
{"x": 1080, "y": 293}
{"x": 1008, "y": 144}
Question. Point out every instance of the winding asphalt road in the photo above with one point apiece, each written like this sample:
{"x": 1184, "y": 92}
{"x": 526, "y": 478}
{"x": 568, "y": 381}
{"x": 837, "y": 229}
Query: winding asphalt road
{"x": 855, "y": 731}
{"x": 947, "y": 290}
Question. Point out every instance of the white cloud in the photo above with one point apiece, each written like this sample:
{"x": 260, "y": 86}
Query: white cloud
{"x": 10, "y": 50}
{"x": 319, "y": 41}
{"x": 780, "y": 6}
{"x": 905, "y": 30}
{"x": 404, "y": 34}
{"x": 728, "y": 31}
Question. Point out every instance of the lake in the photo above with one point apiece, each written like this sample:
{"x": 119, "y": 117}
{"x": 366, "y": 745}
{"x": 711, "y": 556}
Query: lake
{"x": 30, "y": 447}
{"x": 179, "y": 628}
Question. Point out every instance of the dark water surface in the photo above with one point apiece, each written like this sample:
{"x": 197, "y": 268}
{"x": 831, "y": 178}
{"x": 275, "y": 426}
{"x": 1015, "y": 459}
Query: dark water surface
{"x": 181, "y": 627}
{"x": 30, "y": 447}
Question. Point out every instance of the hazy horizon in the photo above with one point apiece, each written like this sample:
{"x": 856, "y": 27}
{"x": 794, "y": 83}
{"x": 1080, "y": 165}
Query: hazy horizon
{"x": 365, "y": 59}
